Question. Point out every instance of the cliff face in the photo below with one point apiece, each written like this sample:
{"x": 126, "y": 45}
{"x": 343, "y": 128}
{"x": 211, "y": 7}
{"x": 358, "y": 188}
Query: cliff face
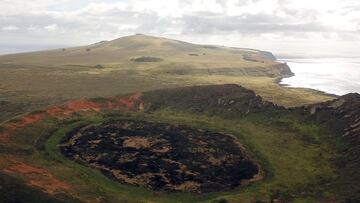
{"x": 274, "y": 70}
{"x": 268, "y": 55}
{"x": 280, "y": 69}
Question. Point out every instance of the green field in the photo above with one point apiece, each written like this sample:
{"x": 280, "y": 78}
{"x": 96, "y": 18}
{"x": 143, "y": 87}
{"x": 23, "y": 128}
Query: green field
{"x": 296, "y": 155}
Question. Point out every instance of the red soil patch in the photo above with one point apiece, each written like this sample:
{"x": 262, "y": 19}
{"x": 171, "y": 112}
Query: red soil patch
{"x": 72, "y": 107}
{"x": 25, "y": 120}
{"x": 82, "y": 105}
{"x": 110, "y": 105}
{"x": 131, "y": 100}
{"x": 38, "y": 177}
{"x": 55, "y": 111}
{"x": 124, "y": 103}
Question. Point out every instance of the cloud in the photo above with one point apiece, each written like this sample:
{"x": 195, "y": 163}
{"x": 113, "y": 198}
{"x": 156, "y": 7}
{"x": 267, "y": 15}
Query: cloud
{"x": 204, "y": 21}
{"x": 52, "y": 28}
{"x": 10, "y": 28}
{"x": 249, "y": 24}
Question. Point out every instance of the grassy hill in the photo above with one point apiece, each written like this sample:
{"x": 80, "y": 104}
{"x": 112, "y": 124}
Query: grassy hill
{"x": 172, "y": 56}
{"x": 29, "y": 81}
{"x": 118, "y": 53}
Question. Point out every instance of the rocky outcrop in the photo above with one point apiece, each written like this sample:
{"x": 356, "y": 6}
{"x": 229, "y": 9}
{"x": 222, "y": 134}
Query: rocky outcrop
{"x": 220, "y": 98}
{"x": 342, "y": 115}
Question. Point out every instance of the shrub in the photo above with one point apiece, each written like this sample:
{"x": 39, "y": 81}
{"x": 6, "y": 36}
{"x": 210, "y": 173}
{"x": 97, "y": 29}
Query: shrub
{"x": 147, "y": 59}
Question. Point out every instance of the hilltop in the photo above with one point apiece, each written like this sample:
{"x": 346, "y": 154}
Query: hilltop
{"x": 29, "y": 81}
{"x": 173, "y": 55}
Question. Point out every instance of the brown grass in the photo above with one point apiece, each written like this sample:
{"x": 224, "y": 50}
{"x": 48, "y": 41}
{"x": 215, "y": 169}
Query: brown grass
{"x": 38, "y": 177}
{"x": 137, "y": 142}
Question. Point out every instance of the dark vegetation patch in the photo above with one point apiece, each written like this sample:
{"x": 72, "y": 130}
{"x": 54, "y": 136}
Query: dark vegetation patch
{"x": 98, "y": 66}
{"x": 250, "y": 57}
{"x": 193, "y": 54}
{"x": 222, "y": 200}
{"x": 210, "y": 47}
{"x": 147, "y": 59}
{"x": 162, "y": 156}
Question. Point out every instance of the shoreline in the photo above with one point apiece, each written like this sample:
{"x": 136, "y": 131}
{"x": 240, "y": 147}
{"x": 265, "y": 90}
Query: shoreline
{"x": 278, "y": 80}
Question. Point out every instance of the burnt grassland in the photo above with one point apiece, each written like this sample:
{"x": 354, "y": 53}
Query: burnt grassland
{"x": 294, "y": 154}
{"x": 299, "y": 155}
{"x": 161, "y": 156}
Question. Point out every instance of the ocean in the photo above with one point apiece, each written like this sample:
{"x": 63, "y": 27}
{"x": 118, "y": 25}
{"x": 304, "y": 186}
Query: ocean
{"x": 331, "y": 75}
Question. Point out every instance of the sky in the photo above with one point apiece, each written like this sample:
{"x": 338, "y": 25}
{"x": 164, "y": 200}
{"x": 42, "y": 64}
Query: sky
{"x": 284, "y": 27}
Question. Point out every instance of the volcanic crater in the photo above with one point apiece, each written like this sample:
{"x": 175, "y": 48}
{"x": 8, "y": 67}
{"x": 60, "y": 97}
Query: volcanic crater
{"x": 162, "y": 156}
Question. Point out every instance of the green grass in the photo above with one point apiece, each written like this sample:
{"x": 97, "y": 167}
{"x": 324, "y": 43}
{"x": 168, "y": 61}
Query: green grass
{"x": 297, "y": 168}
{"x": 291, "y": 162}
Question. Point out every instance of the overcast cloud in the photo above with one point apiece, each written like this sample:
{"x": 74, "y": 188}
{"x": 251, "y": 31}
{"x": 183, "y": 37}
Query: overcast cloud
{"x": 318, "y": 27}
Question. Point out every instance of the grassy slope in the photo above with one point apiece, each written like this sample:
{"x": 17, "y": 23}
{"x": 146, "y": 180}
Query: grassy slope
{"x": 33, "y": 80}
{"x": 294, "y": 153}
{"x": 119, "y": 52}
